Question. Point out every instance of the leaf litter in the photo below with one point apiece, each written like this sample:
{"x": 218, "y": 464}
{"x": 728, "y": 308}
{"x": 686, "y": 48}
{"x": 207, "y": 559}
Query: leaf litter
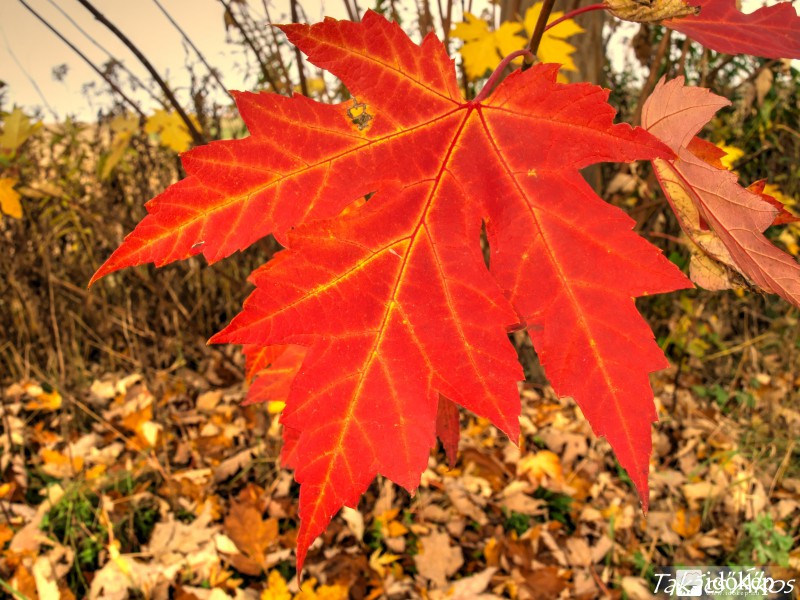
{"x": 203, "y": 510}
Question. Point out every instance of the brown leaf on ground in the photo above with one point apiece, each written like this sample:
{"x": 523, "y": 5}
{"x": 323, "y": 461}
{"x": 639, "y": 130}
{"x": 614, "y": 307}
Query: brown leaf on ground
{"x": 544, "y": 583}
{"x": 253, "y": 536}
{"x": 437, "y": 559}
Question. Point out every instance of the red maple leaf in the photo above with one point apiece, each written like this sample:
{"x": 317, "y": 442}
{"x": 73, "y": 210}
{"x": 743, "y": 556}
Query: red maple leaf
{"x": 393, "y": 298}
{"x": 724, "y": 220}
{"x": 771, "y": 31}
{"x": 271, "y": 370}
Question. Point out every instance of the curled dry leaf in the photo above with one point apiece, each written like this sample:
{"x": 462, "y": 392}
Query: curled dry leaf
{"x": 647, "y": 12}
{"x": 771, "y": 31}
{"x": 724, "y": 220}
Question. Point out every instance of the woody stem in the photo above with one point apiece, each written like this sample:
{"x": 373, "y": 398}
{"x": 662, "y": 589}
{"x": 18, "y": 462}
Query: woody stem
{"x": 538, "y": 31}
{"x": 498, "y": 72}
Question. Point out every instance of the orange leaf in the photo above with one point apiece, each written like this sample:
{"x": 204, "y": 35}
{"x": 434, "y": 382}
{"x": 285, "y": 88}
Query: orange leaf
{"x": 252, "y": 535}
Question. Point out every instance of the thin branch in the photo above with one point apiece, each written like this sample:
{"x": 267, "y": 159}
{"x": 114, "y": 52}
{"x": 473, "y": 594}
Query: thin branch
{"x": 276, "y": 48}
{"x": 298, "y": 55}
{"x": 538, "y": 32}
{"x": 193, "y": 131}
{"x": 103, "y": 49}
{"x": 30, "y": 79}
{"x": 188, "y": 40}
{"x": 648, "y": 86}
{"x": 349, "y": 10}
{"x": 249, "y": 41}
{"x": 448, "y": 21}
{"x": 85, "y": 59}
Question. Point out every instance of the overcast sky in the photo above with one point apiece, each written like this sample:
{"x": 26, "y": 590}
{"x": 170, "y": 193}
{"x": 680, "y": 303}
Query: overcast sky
{"x": 29, "y": 51}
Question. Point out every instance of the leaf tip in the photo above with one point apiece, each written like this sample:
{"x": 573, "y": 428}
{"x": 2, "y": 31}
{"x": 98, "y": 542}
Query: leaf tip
{"x": 106, "y": 268}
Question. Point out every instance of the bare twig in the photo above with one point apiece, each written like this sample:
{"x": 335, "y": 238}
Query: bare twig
{"x": 85, "y": 59}
{"x": 188, "y": 40}
{"x": 538, "y": 32}
{"x": 448, "y": 21}
{"x": 197, "y": 136}
{"x": 103, "y": 49}
{"x": 349, "y": 10}
{"x": 276, "y": 49}
{"x": 648, "y": 86}
{"x": 251, "y": 44}
{"x": 298, "y": 55}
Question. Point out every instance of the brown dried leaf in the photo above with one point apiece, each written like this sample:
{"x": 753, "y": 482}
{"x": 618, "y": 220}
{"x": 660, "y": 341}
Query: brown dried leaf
{"x": 437, "y": 559}
{"x": 648, "y": 12}
{"x": 252, "y": 535}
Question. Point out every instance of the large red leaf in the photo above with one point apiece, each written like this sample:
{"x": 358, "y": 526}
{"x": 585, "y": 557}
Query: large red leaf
{"x": 770, "y": 31}
{"x": 724, "y": 220}
{"x": 272, "y": 370}
{"x": 393, "y": 298}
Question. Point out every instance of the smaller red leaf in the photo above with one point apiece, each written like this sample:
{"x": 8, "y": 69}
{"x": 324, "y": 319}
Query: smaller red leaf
{"x": 700, "y": 193}
{"x": 784, "y": 217}
{"x": 770, "y": 31}
{"x": 447, "y": 429}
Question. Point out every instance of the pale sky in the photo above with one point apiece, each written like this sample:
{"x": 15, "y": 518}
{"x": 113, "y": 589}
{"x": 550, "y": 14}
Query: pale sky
{"x": 28, "y": 47}
{"x": 29, "y": 51}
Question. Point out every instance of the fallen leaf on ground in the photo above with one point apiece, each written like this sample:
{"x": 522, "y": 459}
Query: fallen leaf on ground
{"x": 437, "y": 559}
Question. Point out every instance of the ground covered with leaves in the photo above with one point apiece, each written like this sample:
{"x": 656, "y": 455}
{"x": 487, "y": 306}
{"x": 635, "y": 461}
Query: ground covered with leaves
{"x": 165, "y": 486}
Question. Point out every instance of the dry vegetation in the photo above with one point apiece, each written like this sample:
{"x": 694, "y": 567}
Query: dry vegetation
{"x": 129, "y": 469}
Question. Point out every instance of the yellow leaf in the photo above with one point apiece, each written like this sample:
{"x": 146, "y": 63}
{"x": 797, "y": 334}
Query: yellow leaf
{"x": 276, "y": 588}
{"x": 123, "y": 126}
{"x": 378, "y": 562}
{"x": 773, "y": 190}
{"x": 539, "y": 465}
{"x": 59, "y": 465}
{"x": 275, "y": 407}
{"x": 553, "y": 48}
{"x": 16, "y": 129}
{"x": 483, "y": 49}
{"x": 491, "y": 551}
{"x": 323, "y": 592}
{"x": 685, "y": 524}
{"x": 171, "y": 129}
{"x": 9, "y": 198}
{"x": 314, "y": 85}
{"x": 395, "y": 529}
{"x": 732, "y": 154}
{"x": 140, "y": 421}
{"x": 45, "y": 401}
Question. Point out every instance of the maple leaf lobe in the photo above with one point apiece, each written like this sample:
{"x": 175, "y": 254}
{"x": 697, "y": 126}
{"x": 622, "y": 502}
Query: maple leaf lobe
{"x": 392, "y": 298}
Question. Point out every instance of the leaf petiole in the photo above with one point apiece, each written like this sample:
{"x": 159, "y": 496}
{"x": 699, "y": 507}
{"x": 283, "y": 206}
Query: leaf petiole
{"x": 574, "y": 13}
{"x": 497, "y": 73}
